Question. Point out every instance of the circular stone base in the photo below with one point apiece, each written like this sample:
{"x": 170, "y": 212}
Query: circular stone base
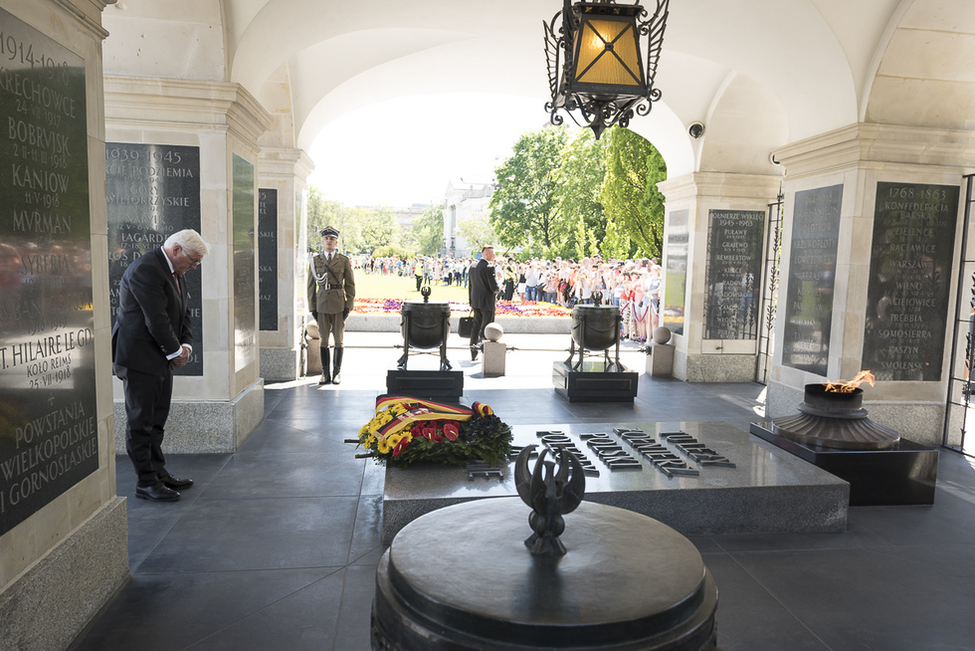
{"x": 462, "y": 578}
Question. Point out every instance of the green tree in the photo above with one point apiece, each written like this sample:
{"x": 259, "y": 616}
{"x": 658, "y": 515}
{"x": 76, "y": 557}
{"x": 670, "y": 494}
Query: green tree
{"x": 476, "y": 231}
{"x": 428, "y": 230}
{"x": 379, "y": 229}
{"x": 629, "y": 194}
{"x": 579, "y": 179}
{"x": 523, "y": 209}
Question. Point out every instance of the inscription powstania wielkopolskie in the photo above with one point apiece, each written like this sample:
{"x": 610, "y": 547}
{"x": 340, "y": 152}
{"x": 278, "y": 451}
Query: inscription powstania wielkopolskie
{"x": 153, "y": 191}
{"x": 734, "y": 262}
{"x": 812, "y": 277}
{"x": 675, "y": 282}
{"x": 267, "y": 257}
{"x": 910, "y": 270}
{"x": 48, "y": 418}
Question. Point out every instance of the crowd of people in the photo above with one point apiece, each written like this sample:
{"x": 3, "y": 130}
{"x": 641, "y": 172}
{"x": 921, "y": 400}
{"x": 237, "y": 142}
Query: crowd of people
{"x": 631, "y": 285}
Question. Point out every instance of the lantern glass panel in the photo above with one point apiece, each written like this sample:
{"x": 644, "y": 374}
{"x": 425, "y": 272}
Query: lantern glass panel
{"x": 608, "y": 53}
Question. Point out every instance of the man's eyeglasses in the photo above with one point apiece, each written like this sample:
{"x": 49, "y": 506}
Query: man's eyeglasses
{"x": 196, "y": 263}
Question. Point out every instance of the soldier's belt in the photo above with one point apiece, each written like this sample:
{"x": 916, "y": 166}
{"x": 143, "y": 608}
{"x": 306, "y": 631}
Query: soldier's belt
{"x": 327, "y": 286}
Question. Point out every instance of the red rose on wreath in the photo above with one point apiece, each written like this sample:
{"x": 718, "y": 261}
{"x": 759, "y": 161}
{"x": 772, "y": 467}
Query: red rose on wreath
{"x": 451, "y": 431}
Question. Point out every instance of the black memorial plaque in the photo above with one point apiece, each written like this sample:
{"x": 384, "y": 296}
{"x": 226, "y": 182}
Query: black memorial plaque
{"x": 153, "y": 191}
{"x": 812, "y": 277}
{"x": 735, "y": 241}
{"x": 675, "y": 282}
{"x": 267, "y": 257}
{"x": 48, "y": 415}
{"x": 245, "y": 312}
{"x": 910, "y": 270}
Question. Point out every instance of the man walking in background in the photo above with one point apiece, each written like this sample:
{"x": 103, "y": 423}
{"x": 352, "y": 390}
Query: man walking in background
{"x": 483, "y": 294}
{"x": 150, "y": 338}
{"x": 331, "y": 296}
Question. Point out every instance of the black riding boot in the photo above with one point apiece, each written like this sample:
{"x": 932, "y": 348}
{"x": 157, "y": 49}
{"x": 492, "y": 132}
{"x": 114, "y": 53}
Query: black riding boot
{"x": 337, "y": 369}
{"x": 326, "y": 374}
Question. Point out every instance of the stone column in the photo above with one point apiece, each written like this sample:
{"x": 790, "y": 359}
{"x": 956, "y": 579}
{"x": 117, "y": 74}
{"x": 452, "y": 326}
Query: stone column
{"x": 870, "y": 269}
{"x": 282, "y": 175}
{"x": 715, "y": 229}
{"x": 63, "y": 530}
{"x": 219, "y": 401}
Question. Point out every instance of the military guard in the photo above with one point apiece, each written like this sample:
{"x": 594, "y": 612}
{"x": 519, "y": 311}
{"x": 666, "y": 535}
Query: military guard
{"x": 331, "y": 295}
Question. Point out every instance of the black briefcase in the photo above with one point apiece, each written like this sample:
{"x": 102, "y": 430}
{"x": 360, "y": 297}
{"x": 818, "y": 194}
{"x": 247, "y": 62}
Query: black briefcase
{"x": 465, "y": 326}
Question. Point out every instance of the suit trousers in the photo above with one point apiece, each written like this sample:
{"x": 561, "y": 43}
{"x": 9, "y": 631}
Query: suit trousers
{"x": 482, "y": 317}
{"x": 332, "y": 324}
{"x": 147, "y": 400}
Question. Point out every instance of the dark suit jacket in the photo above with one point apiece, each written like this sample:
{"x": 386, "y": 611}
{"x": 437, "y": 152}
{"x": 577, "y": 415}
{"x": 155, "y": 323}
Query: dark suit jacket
{"x": 484, "y": 286}
{"x": 152, "y": 319}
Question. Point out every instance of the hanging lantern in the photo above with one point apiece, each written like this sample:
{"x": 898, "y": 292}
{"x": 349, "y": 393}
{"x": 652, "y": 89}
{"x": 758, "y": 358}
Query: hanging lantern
{"x": 596, "y": 65}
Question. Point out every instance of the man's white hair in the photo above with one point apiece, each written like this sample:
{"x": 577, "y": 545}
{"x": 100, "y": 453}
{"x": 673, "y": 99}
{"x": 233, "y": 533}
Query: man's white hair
{"x": 190, "y": 241}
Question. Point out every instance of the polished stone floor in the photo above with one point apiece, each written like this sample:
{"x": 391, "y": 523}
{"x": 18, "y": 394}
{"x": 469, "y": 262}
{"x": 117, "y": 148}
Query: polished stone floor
{"x": 275, "y": 547}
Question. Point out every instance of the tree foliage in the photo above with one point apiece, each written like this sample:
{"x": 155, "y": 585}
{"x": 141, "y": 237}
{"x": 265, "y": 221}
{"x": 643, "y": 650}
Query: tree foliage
{"x": 629, "y": 192}
{"x": 428, "y": 230}
{"x": 579, "y": 178}
{"x": 523, "y": 209}
{"x": 476, "y": 231}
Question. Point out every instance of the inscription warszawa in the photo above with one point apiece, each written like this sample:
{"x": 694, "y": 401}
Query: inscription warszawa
{"x": 910, "y": 270}
{"x": 48, "y": 430}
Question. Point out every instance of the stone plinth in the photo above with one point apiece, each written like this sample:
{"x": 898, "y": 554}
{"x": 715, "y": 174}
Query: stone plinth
{"x": 593, "y": 382}
{"x": 765, "y": 492}
{"x": 433, "y": 385}
{"x": 494, "y": 358}
{"x": 904, "y": 474}
{"x": 660, "y": 361}
{"x": 486, "y": 590}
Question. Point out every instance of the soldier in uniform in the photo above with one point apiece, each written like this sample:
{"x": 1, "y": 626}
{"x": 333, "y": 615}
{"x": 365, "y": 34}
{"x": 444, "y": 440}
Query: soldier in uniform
{"x": 331, "y": 294}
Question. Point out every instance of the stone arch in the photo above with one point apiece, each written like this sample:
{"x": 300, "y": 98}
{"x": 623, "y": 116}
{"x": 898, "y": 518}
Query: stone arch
{"x": 924, "y": 75}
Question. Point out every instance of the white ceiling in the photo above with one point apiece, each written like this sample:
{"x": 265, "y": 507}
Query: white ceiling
{"x": 758, "y": 73}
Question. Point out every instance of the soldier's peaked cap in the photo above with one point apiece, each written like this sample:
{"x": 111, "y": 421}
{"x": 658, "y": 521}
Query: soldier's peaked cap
{"x": 328, "y": 231}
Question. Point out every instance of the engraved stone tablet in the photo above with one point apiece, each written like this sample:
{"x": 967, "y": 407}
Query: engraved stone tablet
{"x": 675, "y": 283}
{"x": 245, "y": 313}
{"x": 48, "y": 415}
{"x": 153, "y": 191}
{"x": 812, "y": 276}
{"x": 910, "y": 273}
{"x": 267, "y": 257}
{"x": 734, "y": 262}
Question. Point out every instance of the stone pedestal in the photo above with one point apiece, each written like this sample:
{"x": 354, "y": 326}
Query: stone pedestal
{"x": 592, "y": 382}
{"x": 493, "y": 362}
{"x": 446, "y": 386}
{"x": 712, "y": 272}
{"x": 627, "y": 583}
{"x": 223, "y": 393}
{"x": 660, "y": 360}
{"x": 904, "y": 474}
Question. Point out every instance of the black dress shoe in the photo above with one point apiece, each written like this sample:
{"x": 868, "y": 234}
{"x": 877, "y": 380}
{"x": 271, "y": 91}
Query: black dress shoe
{"x": 156, "y": 493}
{"x": 474, "y": 350}
{"x": 175, "y": 482}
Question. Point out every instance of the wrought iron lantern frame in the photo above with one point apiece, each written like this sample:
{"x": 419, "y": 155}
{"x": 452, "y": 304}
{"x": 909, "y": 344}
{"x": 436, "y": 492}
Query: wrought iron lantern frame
{"x": 602, "y": 105}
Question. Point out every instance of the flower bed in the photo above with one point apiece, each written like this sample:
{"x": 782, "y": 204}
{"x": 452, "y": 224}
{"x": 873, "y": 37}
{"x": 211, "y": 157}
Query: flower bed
{"x": 504, "y": 308}
{"x": 410, "y": 430}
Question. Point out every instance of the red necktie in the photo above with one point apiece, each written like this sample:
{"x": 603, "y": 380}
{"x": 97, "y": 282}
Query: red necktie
{"x": 176, "y": 278}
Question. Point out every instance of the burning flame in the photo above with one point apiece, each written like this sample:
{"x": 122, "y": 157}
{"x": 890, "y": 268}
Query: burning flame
{"x": 848, "y": 387}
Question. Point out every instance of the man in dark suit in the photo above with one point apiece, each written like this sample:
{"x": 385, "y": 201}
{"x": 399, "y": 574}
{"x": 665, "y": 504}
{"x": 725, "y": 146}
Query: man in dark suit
{"x": 331, "y": 296}
{"x": 483, "y": 292}
{"x": 150, "y": 338}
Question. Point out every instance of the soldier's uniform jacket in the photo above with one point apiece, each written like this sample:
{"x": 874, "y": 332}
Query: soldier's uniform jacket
{"x": 331, "y": 285}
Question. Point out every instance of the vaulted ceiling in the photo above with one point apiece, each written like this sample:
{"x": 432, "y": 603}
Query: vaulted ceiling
{"x": 758, "y": 73}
